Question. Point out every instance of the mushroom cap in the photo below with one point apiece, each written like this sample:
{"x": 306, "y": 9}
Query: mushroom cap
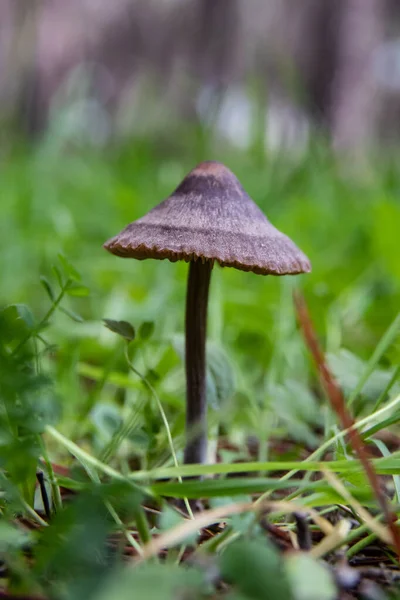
{"x": 210, "y": 217}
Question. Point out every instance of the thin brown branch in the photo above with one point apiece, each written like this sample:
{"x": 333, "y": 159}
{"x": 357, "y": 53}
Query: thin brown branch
{"x": 338, "y": 403}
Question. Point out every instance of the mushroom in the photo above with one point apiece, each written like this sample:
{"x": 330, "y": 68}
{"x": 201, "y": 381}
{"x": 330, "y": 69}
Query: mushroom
{"x": 209, "y": 218}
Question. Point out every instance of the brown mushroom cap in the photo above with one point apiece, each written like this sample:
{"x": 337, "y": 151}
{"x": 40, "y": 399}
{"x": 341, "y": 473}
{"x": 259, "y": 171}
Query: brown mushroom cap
{"x": 210, "y": 217}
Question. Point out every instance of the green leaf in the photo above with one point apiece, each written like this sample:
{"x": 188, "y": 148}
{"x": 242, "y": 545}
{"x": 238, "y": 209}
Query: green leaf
{"x": 220, "y": 375}
{"x": 47, "y": 286}
{"x": 16, "y": 321}
{"x": 71, "y": 314}
{"x": 158, "y": 582}
{"x": 230, "y": 486}
{"x": 220, "y": 370}
{"x": 233, "y": 486}
{"x": 349, "y": 370}
{"x": 107, "y": 419}
{"x": 69, "y": 270}
{"x": 146, "y": 330}
{"x": 25, "y": 314}
{"x": 140, "y": 440}
{"x": 78, "y": 290}
{"x": 122, "y": 328}
{"x": 256, "y": 569}
{"x": 71, "y": 484}
{"x": 72, "y": 551}
{"x": 58, "y": 275}
{"x": 118, "y": 379}
{"x": 308, "y": 578}
{"x": 12, "y": 538}
{"x": 383, "y": 466}
{"x": 298, "y": 409}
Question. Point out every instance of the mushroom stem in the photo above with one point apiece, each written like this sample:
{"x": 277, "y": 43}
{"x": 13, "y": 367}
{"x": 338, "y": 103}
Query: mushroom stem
{"x": 195, "y": 352}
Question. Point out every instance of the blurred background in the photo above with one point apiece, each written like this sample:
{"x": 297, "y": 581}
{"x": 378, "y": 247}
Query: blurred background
{"x": 105, "y": 106}
{"x": 101, "y": 71}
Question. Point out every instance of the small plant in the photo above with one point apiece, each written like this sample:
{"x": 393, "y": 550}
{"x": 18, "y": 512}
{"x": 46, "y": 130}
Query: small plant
{"x": 29, "y": 401}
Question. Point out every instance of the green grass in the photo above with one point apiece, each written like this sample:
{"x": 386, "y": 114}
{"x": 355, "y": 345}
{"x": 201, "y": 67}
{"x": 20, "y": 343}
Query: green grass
{"x": 76, "y": 395}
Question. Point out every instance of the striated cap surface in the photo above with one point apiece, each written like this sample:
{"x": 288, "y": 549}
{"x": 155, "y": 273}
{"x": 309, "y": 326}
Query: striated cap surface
{"x": 210, "y": 217}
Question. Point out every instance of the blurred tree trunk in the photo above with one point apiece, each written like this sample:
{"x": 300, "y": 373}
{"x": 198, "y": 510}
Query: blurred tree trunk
{"x": 355, "y": 101}
{"x": 214, "y": 43}
{"x": 306, "y": 40}
{"x": 216, "y": 40}
{"x": 20, "y": 64}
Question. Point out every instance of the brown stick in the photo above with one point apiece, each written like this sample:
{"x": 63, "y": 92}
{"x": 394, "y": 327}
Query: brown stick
{"x": 338, "y": 403}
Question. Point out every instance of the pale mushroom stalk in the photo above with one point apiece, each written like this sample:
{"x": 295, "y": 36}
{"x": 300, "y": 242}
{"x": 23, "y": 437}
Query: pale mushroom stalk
{"x": 195, "y": 360}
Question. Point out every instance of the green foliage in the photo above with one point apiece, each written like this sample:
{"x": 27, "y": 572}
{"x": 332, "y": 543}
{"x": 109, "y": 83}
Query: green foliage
{"x": 220, "y": 376}
{"x": 12, "y": 538}
{"x": 309, "y": 579}
{"x": 122, "y": 328}
{"x": 146, "y": 330}
{"x": 158, "y": 582}
{"x": 256, "y": 569}
{"x": 59, "y": 366}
